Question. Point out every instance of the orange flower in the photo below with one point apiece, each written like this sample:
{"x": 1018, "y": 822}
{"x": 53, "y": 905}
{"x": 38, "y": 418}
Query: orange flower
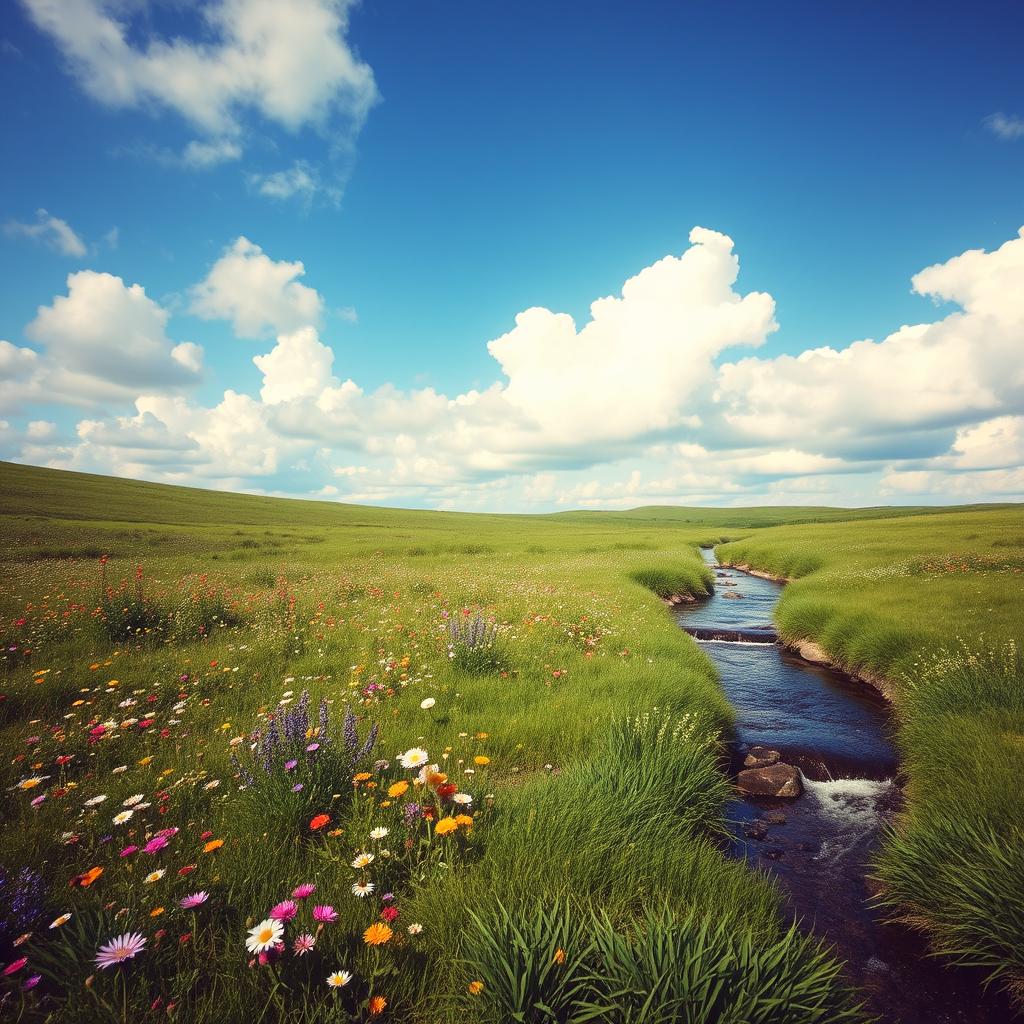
{"x": 464, "y": 819}
{"x": 446, "y": 825}
{"x": 377, "y": 934}
{"x": 476, "y": 987}
{"x": 436, "y": 778}
{"x": 87, "y": 878}
{"x": 481, "y": 760}
{"x": 396, "y": 789}
{"x": 156, "y": 911}
{"x": 559, "y": 955}
{"x": 362, "y": 777}
{"x": 319, "y": 821}
{"x": 376, "y": 1005}
{"x": 213, "y": 844}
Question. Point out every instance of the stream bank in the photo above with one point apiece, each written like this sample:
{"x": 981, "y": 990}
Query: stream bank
{"x": 818, "y": 847}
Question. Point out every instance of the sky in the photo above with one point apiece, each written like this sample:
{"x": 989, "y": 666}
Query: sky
{"x": 517, "y": 257}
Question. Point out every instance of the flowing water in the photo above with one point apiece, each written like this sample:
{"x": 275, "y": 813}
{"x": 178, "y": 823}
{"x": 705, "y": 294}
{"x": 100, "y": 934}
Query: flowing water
{"x": 818, "y": 846}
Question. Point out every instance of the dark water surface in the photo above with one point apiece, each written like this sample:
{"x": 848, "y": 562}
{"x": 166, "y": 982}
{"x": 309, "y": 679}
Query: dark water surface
{"x": 818, "y": 847}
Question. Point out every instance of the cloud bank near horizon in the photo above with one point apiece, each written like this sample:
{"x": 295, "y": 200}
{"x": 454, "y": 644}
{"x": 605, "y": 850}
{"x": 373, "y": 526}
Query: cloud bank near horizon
{"x": 660, "y": 396}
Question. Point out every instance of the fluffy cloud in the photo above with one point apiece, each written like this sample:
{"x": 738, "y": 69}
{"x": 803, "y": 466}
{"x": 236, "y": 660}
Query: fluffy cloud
{"x": 50, "y": 231}
{"x": 290, "y": 62}
{"x": 640, "y": 405}
{"x": 301, "y": 181}
{"x": 257, "y": 294}
{"x": 104, "y": 340}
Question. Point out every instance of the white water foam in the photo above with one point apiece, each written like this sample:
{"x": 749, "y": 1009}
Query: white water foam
{"x": 852, "y": 807}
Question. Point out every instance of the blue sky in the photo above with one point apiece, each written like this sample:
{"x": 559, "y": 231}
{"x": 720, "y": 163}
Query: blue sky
{"x": 439, "y": 169}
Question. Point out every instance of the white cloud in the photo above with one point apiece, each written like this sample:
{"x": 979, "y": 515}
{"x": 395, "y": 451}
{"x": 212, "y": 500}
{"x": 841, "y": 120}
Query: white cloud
{"x": 1005, "y": 126}
{"x": 51, "y": 231}
{"x": 199, "y": 154}
{"x": 301, "y": 181}
{"x": 290, "y": 63}
{"x": 258, "y": 295}
{"x": 635, "y": 407}
{"x": 106, "y": 340}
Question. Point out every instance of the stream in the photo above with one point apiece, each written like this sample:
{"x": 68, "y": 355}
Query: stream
{"x": 818, "y": 846}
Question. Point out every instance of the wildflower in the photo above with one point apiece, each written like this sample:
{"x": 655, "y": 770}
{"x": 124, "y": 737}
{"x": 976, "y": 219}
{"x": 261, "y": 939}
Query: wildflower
{"x": 363, "y": 860}
{"x": 289, "y": 765}
{"x": 339, "y": 979}
{"x": 59, "y": 922}
{"x": 427, "y": 704}
{"x": 213, "y": 844}
{"x": 155, "y": 876}
{"x": 300, "y": 892}
{"x": 284, "y": 911}
{"x": 396, "y": 789}
{"x": 15, "y": 965}
{"x": 559, "y": 956}
{"x": 123, "y": 816}
{"x": 464, "y": 819}
{"x": 445, "y": 825}
{"x": 195, "y": 900}
{"x": 376, "y": 1005}
{"x": 415, "y": 757}
{"x": 86, "y": 879}
{"x": 94, "y": 801}
{"x": 32, "y": 982}
{"x": 264, "y": 936}
{"x": 124, "y": 947}
{"x": 156, "y": 911}
{"x": 476, "y": 987}
{"x": 415, "y": 928}
{"x": 31, "y": 783}
{"x": 324, "y": 913}
{"x": 362, "y": 777}
{"x": 379, "y": 833}
{"x": 462, "y": 798}
{"x": 128, "y": 851}
{"x": 319, "y": 821}
{"x": 481, "y": 760}
{"x": 155, "y": 845}
{"x": 303, "y": 943}
{"x": 389, "y": 914}
{"x": 377, "y": 934}
{"x": 363, "y": 889}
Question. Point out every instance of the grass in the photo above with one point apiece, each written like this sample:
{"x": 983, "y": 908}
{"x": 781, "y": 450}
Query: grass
{"x": 933, "y": 604}
{"x": 586, "y": 735}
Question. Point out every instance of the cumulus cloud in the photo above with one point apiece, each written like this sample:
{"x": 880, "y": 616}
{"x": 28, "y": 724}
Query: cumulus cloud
{"x": 290, "y": 63}
{"x": 258, "y": 295}
{"x": 644, "y": 403}
{"x": 50, "y": 231}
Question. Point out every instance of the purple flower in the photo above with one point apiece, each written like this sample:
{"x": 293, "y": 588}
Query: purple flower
{"x": 195, "y": 900}
{"x": 32, "y": 982}
{"x": 124, "y": 947}
{"x": 297, "y": 788}
{"x": 289, "y": 765}
{"x": 312, "y": 748}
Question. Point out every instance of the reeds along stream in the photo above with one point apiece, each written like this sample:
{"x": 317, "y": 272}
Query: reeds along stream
{"x": 818, "y": 846}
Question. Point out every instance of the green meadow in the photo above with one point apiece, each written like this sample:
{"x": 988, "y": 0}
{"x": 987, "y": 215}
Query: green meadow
{"x": 482, "y": 739}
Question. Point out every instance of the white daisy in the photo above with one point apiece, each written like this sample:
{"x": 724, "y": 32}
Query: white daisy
{"x": 415, "y": 757}
{"x": 462, "y": 798}
{"x": 339, "y": 979}
{"x": 93, "y": 801}
{"x": 122, "y": 817}
{"x": 379, "y": 833}
{"x": 363, "y": 860}
{"x": 264, "y": 936}
{"x": 155, "y": 876}
{"x": 427, "y": 704}
{"x": 131, "y": 801}
{"x": 415, "y": 928}
{"x": 363, "y": 889}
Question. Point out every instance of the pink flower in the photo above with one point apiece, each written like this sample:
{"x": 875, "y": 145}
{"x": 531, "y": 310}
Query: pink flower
{"x": 284, "y": 911}
{"x": 389, "y": 914}
{"x": 195, "y": 900}
{"x": 300, "y": 892}
{"x": 128, "y": 851}
{"x": 32, "y": 982}
{"x": 303, "y": 944}
{"x": 155, "y": 844}
{"x": 325, "y": 914}
{"x": 289, "y": 765}
{"x": 124, "y": 947}
{"x": 15, "y": 965}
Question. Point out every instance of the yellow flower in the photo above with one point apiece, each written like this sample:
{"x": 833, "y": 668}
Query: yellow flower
{"x": 156, "y": 911}
{"x": 480, "y": 759}
{"x": 464, "y": 819}
{"x": 377, "y": 934}
{"x": 145, "y": 760}
{"x": 396, "y": 789}
{"x": 476, "y": 987}
{"x": 559, "y": 956}
{"x": 362, "y": 777}
{"x": 445, "y": 825}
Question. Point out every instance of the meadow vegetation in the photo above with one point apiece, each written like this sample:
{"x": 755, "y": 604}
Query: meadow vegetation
{"x": 268, "y": 757}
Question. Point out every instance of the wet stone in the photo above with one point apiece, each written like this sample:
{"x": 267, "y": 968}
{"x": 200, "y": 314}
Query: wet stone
{"x": 761, "y": 757}
{"x": 758, "y": 831}
{"x": 777, "y": 780}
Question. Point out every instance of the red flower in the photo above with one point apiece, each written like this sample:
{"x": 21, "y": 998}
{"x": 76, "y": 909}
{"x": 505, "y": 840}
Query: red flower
{"x": 319, "y": 821}
{"x": 389, "y": 914}
{"x": 447, "y": 790}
